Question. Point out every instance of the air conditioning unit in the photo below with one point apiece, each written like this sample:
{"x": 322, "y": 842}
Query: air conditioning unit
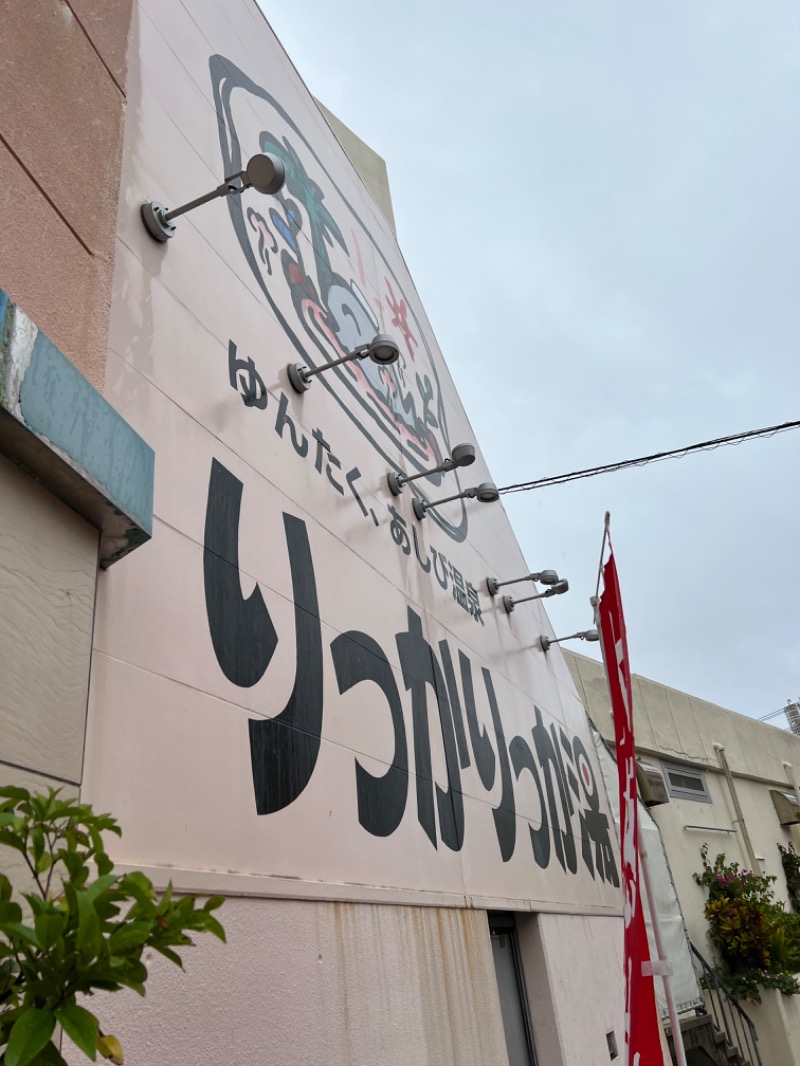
{"x": 651, "y": 784}
{"x": 786, "y": 807}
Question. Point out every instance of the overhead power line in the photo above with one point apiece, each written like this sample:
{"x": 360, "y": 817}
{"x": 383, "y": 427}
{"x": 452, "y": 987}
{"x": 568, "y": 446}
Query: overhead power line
{"x": 656, "y": 457}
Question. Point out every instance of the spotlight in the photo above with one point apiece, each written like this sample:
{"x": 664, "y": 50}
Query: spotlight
{"x": 510, "y": 603}
{"x": 587, "y": 634}
{"x": 265, "y": 173}
{"x": 484, "y": 493}
{"x": 544, "y": 577}
{"x": 461, "y": 455}
{"x": 381, "y": 349}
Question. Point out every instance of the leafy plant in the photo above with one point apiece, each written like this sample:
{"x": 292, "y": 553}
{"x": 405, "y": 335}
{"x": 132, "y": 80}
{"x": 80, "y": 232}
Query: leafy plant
{"x": 83, "y": 928}
{"x": 758, "y": 943}
{"x": 791, "y": 868}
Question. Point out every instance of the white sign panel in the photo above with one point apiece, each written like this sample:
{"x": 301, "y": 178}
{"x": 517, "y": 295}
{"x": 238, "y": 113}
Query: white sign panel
{"x": 298, "y": 683}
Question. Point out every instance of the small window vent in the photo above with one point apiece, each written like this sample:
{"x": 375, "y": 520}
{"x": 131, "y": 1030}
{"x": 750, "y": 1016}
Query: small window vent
{"x": 685, "y": 783}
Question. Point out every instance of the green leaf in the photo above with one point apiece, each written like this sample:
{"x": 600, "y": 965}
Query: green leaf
{"x": 11, "y": 792}
{"x": 31, "y": 1031}
{"x": 168, "y": 953}
{"x": 11, "y": 841}
{"x": 49, "y": 1056}
{"x": 37, "y": 844}
{"x": 81, "y": 1027}
{"x": 165, "y": 900}
{"x": 213, "y": 902}
{"x": 141, "y": 881}
{"x": 129, "y": 935}
{"x": 89, "y": 938}
{"x": 49, "y": 927}
{"x": 16, "y": 931}
{"x": 103, "y": 863}
{"x": 10, "y": 912}
{"x": 211, "y": 925}
{"x": 102, "y": 884}
{"x": 44, "y": 864}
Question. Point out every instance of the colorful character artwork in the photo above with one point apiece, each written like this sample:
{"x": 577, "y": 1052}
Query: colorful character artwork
{"x": 331, "y": 286}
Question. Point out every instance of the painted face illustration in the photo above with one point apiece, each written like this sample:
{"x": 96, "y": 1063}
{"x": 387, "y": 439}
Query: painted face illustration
{"x": 331, "y": 286}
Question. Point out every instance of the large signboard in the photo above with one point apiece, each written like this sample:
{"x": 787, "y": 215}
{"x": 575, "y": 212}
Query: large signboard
{"x": 298, "y": 687}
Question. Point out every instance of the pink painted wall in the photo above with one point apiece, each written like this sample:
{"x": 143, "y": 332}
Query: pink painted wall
{"x": 225, "y": 305}
{"x": 62, "y": 85}
{"x": 330, "y": 957}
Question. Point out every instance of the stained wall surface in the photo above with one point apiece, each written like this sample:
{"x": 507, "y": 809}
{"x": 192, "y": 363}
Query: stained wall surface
{"x": 48, "y": 564}
{"x": 302, "y": 982}
{"x": 62, "y": 87}
{"x": 572, "y": 1010}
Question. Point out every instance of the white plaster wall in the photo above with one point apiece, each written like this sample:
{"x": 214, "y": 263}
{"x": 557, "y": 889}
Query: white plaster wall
{"x": 574, "y": 976}
{"x": 777, "y": 1021}
{"x": 302, "y": 983}
{"x": 683, "y": 845}
{"x": 679, "y": 726}
{"x": 48, "y": 566}
{"x": 672, "y": 725}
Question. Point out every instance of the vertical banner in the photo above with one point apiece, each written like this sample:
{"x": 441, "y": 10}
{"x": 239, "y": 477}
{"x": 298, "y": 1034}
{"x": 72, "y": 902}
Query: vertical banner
{"x": 642, "y": 1035}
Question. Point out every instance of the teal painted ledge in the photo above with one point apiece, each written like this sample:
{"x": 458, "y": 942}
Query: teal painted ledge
{"x": 59, "y": 428}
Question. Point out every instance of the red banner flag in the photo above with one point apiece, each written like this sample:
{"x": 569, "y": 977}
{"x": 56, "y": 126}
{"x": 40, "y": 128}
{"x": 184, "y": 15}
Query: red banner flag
{"x": 642, "y": 1035}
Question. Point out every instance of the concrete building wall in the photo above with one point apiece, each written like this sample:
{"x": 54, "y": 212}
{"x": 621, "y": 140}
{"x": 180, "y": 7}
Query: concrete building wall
{"x": 571, "y": 1010}
{"x": 676, "y": 729}
{"x": 48, "y": 567}
{"x": 370, "y": 166}
{"x": 62, "y": 84}
{"x": 63, "y": 452}
{"x": 302, "y": 982}
{"x": 351, "y": 984}
{"x": 357, "y": 920}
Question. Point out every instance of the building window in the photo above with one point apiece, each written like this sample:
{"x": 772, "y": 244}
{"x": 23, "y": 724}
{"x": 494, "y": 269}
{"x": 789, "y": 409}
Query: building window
{"x": 511, "y": 986}
{"x": 683, "y": 783}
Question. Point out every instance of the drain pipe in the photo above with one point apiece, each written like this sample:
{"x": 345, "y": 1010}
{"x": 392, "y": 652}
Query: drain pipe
{"x": 755, "y": 865}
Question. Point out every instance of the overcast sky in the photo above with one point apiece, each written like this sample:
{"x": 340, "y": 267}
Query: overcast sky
{"x": 599, "y": 206}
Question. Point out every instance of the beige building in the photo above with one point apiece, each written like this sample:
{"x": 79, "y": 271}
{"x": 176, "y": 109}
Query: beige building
{"x": 703, "y": 760}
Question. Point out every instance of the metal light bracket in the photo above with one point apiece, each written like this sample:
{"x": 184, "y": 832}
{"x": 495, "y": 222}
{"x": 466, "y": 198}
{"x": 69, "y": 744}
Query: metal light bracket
{"x": 381, "y": 350}
{"x": 544, "y": 577}
{"x": 486, "y": 492}
{"x": 461, "y": 455}
{"x": 264, "y": 172}
{"x": 509, "y": 603}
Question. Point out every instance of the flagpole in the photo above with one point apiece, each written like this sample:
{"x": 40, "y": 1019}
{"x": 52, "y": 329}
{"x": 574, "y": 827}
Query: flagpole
{"x": 661, "y": 966}
{"x": 595, "y": 601}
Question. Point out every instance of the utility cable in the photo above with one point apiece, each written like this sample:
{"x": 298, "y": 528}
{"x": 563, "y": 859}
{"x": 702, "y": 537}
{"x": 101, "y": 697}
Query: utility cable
{"x": 656, "y": 457}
